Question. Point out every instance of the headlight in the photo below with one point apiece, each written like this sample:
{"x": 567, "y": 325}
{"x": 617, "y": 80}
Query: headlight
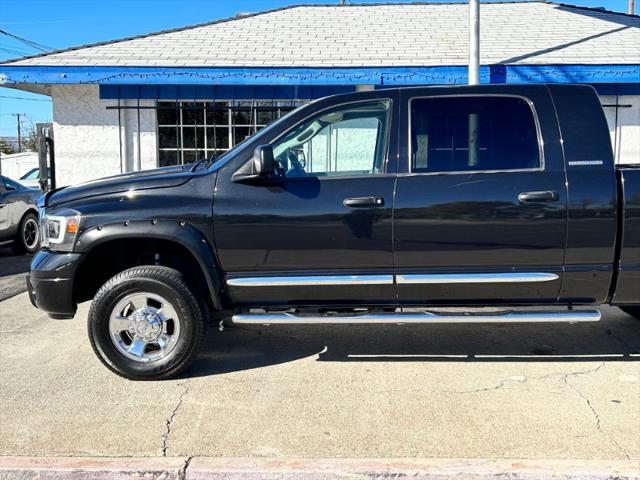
{"x": 58, "y": 232}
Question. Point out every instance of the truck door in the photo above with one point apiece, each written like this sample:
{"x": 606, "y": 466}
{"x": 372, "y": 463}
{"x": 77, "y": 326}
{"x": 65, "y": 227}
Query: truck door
{"x": 324, "y": 235}
{"x": 480, "y": 212}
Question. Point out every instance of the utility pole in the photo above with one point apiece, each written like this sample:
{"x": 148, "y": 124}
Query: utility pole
{"x": 632, "y": 7}
{"x": 474, "y": 42}
{"x": 17, "y": 115}
{"x": 474, "y": 78}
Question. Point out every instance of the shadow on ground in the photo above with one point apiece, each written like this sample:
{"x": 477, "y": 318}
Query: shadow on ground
{"x": 13, "y": 269}
{"x": 615, "y": 338}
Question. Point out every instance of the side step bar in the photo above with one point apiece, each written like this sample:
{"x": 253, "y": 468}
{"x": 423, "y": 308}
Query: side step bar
{"x": 284, "y": 318}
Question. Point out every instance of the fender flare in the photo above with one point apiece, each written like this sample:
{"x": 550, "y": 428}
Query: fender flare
{"x": 179, "y": 232}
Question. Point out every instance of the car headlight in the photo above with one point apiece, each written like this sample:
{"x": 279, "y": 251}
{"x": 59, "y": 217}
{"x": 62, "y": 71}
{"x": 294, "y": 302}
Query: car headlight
{"x": 59, "y": 231}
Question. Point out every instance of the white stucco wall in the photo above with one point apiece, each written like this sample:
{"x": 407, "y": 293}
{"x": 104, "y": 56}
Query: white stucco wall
{"x": 89, "y": 141}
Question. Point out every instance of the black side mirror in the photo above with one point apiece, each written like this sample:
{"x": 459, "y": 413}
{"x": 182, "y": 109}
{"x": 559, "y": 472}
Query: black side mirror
{"x": 263, "y": 162}
{"x": 261, "y": 169}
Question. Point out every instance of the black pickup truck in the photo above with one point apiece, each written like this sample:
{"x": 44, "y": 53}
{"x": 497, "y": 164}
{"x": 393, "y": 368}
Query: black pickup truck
{"x": 388, "y": 206}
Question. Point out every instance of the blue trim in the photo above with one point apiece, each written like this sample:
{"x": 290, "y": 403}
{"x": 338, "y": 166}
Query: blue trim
{"x": 227, "y": 92}
{"x": 12, "y": 74}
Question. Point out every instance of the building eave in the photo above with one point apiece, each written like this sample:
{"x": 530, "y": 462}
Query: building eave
{"x": 455, "y": 74}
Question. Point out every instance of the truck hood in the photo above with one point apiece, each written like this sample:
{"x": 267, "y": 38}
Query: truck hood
{"x": 156, "y": 178}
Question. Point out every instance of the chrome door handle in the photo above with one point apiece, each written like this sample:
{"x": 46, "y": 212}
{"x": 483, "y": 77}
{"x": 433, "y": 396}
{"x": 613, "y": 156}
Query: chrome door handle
{"x": 355, "y": 202}
{"x": 531, "y": 197}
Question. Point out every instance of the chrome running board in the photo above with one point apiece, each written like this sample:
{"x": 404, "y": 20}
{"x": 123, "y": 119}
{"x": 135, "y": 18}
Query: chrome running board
{"x": 286, "y": 318}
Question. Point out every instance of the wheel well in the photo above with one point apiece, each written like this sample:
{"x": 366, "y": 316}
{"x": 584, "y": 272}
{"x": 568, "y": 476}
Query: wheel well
{"x": 111, "y": 258}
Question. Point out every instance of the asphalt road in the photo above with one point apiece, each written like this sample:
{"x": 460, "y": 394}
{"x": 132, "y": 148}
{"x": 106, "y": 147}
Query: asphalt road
{"x": 463, "y": 391}
{"x": 13, "y": 270}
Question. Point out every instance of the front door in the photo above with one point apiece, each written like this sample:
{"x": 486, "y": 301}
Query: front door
{"x": 481, "y": 199}
{"x": 324, "y": 235}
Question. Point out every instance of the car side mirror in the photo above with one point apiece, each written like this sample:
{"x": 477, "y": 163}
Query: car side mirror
{"x": 261, "y": 169}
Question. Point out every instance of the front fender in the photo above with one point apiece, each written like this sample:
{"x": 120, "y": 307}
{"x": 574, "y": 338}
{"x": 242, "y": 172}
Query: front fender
{"x": 179, "y": 232}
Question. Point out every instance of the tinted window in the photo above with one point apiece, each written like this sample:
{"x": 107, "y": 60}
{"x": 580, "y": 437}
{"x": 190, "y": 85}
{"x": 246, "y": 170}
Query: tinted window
{"x": 344, "y": 141}
{"x": 451, "y": 134}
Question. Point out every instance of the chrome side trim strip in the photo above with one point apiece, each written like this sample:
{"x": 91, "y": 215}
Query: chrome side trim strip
{"x": 319, "y": 280}
{"x": 573, "y": 316}
{"x": 476, "y": 278}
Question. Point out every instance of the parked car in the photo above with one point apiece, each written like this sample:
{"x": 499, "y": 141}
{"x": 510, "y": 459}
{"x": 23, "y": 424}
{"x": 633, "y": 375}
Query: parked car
{"x": 19, "y": 226}
{"x": 31, "y": 179}
{"x": 370, "y": 207}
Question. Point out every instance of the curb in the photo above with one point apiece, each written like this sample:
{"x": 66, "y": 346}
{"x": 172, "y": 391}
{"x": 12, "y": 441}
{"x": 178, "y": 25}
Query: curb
{"x": 209, "y": 468}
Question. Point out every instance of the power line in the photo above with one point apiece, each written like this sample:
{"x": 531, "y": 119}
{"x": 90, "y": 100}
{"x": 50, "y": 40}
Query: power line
{"x": 24, "y": 98}
{"x": 14, "y": 52}
{"x": 32, "y": 44}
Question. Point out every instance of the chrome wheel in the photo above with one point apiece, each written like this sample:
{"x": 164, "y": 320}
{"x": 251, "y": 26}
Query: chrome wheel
{"x": 144, "y": 327}
{"x": 30, "y": 233}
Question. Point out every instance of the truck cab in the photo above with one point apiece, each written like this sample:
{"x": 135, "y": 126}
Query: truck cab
{"x": 384, "y": 206}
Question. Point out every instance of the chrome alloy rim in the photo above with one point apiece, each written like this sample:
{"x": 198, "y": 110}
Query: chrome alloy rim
{"x": 144, "y": 327}
{"x": 30, "y": 233}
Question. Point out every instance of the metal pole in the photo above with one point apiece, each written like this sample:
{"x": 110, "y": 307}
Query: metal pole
{"x": 19, "y": 136}
{"x": 632, "y": 7}
{"x": 474, "y": 42}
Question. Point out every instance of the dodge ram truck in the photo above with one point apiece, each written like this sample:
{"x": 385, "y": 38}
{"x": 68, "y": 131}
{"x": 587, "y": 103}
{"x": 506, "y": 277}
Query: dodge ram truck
{"x": 385, "y": 206}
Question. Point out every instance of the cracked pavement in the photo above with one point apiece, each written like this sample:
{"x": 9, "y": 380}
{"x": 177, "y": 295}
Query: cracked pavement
{"x": 452, "y": 391}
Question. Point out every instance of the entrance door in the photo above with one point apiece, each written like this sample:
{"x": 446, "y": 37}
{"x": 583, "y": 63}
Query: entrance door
{"x": 481, "y": 205}
{"x": 325, "y": 234}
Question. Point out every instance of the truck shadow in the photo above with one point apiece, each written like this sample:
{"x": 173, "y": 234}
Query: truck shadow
{"x": 616, "y": 338}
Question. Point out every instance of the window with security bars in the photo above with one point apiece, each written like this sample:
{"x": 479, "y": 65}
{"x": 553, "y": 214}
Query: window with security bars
{"x": 188, "y": 131}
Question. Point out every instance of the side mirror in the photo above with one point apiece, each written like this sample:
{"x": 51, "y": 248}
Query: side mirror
{"x": 263, "y": 162}
{"x": 261, "y": 169}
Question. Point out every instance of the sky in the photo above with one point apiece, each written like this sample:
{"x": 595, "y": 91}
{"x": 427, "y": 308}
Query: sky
{"x": 66, "y": 23}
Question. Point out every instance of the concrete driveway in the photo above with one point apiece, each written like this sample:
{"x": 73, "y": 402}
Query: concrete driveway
{"x": 465, "y": 391}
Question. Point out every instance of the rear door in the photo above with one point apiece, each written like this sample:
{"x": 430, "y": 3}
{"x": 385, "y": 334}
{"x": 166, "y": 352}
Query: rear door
{"x": 480, "y": 212}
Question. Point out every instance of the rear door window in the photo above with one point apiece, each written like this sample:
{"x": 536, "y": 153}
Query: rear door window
{"x": 473, "y": 134}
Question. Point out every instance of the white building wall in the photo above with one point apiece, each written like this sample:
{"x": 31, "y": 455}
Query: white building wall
{"x": 92, "y": 141}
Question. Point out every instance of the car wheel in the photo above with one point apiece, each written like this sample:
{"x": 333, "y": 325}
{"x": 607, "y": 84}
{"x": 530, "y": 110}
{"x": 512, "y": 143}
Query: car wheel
{"x": 28, "y": 237}
{"x": 145, "y": 324}
{"x": 633, "y": 311}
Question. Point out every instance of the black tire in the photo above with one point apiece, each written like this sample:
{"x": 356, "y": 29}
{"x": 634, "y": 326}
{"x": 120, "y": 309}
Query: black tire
{"x": 633, "y": 311}
{"x": 154, "y": 280}
{"x": 25, "y": 242}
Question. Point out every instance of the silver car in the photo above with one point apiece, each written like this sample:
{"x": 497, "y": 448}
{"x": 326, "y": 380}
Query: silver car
{"x": 19, "y": 216}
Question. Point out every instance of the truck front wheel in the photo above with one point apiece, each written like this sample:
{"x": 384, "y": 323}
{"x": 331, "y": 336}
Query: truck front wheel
{"x": 145, "y": 323}
{"x": 633, "y": 311}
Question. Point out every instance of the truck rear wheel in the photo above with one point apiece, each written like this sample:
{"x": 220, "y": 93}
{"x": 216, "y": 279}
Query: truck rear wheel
{"x": 633, "y": 311}
{"x": 145, "y": 324}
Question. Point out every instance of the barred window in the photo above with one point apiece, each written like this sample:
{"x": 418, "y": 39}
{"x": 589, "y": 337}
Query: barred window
{"x": 188, "y": 131}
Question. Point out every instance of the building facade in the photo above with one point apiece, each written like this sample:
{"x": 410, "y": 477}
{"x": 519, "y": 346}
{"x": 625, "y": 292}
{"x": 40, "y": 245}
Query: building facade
{"x": 175, "y": 96}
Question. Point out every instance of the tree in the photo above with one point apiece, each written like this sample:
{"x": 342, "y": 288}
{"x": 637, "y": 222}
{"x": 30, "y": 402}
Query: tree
{"x": 30, "y": 140}
{"x": 5, "y": 148}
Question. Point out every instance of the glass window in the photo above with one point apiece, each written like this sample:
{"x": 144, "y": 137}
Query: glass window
{"x": 188, "y": 131}
{"x": 460, "y": 134}
{"x": 344, "y": 141}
